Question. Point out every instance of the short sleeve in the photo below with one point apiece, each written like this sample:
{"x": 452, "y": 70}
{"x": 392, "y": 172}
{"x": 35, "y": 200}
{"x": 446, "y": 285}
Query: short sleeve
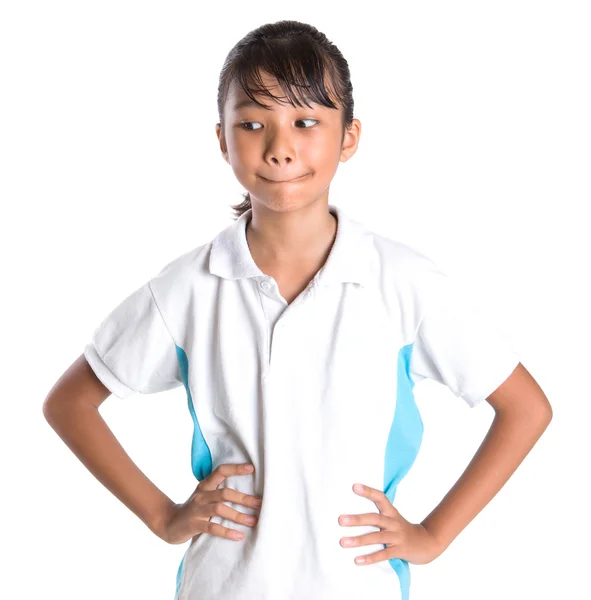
{"x": 132, "y": 350}
{"x": 456, "y": 344}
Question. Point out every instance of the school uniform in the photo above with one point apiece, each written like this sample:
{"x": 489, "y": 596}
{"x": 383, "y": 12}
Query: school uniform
{"x": 317, "y": 394}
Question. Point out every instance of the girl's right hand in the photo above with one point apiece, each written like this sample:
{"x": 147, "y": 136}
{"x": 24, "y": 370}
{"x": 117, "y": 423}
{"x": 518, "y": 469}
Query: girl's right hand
{"x": 184, "y": 521}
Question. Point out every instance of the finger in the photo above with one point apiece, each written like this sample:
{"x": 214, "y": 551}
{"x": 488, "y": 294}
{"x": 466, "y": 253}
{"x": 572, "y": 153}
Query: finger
{"x": 377, "y": 537}
{"x": 223, "y": 510}
{"x": 369, "y": 559}
{"x": 234, "y": 496}
{"x": 213, "y": 480}
{"x": 221, "y": 531}
{"x": 375, "y": 519}
{"x": 377, "y": 496}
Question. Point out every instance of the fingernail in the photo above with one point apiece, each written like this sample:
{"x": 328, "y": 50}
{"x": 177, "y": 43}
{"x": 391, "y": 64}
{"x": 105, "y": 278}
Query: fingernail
{"x": 345, "y": 519}
{"x": 249, "y": 467}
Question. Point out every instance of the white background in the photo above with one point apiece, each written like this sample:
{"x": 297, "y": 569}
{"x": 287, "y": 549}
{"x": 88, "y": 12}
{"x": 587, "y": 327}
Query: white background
{"x": 474, "y": 150}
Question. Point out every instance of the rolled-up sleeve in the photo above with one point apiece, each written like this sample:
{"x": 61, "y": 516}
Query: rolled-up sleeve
{"x": 456, "y": 344}
{"x": 132, "y": 350}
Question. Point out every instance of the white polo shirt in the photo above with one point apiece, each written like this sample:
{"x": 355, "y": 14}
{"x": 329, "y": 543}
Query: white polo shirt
{"x": 317, "y": 394}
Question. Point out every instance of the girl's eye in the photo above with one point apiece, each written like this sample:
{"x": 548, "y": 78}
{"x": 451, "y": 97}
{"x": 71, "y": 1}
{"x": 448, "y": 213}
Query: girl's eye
{"x": 251, "y": 122}
{"x": 315, "y": 121}
{"x": 242, "y": 125}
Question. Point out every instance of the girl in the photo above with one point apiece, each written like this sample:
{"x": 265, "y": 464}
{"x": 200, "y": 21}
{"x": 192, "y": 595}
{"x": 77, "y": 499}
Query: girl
{"x": 299, "y": 335}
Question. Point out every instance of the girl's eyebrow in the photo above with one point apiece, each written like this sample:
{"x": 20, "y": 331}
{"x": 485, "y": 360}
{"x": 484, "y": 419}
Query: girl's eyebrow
{"x": 246, "y": 103}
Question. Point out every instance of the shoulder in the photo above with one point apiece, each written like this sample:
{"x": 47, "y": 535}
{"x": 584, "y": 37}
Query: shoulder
{"x": 417, "y": 279}
{"x": 404, "y": 263}
{"x": 177, "y": 277}
{"x": 410, "y": 281}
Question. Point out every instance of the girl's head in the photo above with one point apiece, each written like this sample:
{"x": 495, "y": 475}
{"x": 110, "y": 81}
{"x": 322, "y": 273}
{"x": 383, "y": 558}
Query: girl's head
{"x": 285, "y": 152}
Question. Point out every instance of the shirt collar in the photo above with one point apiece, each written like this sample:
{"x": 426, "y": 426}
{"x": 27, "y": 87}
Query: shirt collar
{"x": 349, "y": 258}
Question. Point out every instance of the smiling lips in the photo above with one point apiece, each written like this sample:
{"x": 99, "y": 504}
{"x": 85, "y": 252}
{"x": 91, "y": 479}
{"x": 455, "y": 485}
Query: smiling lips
{"x": 285, "y": 181}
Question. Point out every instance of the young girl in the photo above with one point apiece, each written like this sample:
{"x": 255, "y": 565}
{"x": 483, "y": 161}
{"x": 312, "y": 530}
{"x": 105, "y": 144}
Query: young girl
{"x": 299, "y": 335}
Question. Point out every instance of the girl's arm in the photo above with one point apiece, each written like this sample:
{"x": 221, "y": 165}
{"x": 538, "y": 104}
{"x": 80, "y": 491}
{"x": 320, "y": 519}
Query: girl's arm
{"x": 522, "y": 414}
{"x": 71, "y": 408}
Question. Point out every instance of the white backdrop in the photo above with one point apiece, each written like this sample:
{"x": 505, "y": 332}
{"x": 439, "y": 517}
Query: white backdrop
{"x": 474, "y": 150}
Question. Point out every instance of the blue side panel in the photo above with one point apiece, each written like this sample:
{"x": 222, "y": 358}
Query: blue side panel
{"x": 179, "y": 575}
{"x": 200, "y": 453}
{"x": 404, "y": 441}
{"x": 201, "y": 463}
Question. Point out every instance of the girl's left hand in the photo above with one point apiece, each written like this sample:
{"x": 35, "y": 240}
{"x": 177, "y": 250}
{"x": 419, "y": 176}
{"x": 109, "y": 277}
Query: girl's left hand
{"x": 408, "y": 541}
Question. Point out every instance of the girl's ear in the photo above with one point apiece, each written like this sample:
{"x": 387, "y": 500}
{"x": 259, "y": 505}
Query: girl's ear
{"x": 351, "y": 140}
{"x": 222, "y": 141}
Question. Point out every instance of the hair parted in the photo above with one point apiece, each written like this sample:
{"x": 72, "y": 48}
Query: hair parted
{"x": 300, "y": 57}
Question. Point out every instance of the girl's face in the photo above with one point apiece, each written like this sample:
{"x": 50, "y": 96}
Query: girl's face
{"x": 285, "y": 156}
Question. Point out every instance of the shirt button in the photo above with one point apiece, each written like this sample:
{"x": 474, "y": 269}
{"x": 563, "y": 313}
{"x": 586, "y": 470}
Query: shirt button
{"x": 265, "y": 285}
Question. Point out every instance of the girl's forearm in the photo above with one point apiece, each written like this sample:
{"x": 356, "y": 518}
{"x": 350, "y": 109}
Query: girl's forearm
{"x": 82, "y": 428}
{"x": 512, "y": 434}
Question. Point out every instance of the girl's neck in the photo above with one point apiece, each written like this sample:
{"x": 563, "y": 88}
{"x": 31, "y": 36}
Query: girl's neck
{"x": 291, "y": 238}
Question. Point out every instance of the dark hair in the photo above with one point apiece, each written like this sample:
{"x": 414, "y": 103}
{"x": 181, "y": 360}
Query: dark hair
{"x": 299, "y": 57}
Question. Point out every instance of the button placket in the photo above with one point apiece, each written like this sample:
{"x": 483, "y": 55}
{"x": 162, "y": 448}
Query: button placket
{"x": 275, "y": 348}
{"x": 267, "y": 316}
{"x": 276, "y": 331}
